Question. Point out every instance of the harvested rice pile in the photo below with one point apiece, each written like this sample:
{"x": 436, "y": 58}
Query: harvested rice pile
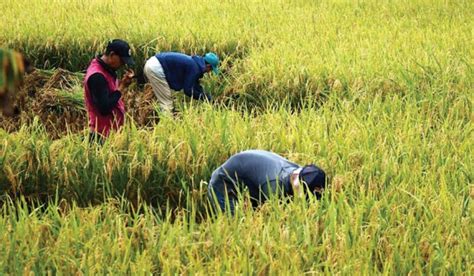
{"x": 56, "y": 99}
{"x": 142, "y": 106}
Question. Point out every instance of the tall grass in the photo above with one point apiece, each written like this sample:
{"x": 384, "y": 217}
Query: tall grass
{"x": 372, "y": 143}
{"x": 400, "y": 169}
{"x": 396, "y": 233}
{"x": 271, "y": 50}
{"x": 385, "y": 96}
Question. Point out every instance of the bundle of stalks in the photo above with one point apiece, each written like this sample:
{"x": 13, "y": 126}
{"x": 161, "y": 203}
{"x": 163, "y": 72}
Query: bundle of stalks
{"x": 53, "y": 96}
{"x": 60, "y": 111}
{"x": 63, "y": 79}
{"x": 142, "y": 107}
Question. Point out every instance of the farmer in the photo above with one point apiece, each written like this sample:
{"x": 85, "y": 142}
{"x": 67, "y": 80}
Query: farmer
{"x": 263, "y": 173}
{"x": 176, "y": 71}
{"x": 13, "y": 65}
{"x": 103, "y": 91}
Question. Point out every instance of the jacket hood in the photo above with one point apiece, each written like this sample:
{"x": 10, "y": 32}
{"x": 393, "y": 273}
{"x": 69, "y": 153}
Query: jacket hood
{"x": 200, "y": 62}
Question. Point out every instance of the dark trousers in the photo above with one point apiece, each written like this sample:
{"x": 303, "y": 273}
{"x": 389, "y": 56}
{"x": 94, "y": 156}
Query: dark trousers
{"x": 95, "y": 138}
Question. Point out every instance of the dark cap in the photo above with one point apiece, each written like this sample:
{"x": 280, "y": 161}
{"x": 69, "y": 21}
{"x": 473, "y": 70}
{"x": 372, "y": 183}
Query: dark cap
{"x": 313, "y": 176}
{"x": 122, "y": 49}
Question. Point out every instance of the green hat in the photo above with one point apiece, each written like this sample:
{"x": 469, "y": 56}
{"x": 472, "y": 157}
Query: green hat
{"x": 213, "y": 60}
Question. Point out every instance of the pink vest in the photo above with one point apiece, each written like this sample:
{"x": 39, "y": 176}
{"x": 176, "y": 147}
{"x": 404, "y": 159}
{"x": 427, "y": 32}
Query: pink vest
{"x": 98, "y": 123}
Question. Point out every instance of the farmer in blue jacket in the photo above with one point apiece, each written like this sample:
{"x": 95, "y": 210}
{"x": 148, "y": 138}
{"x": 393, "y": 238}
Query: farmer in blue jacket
{"x": 263, "y": 174}
{"x": 168, "y": 71}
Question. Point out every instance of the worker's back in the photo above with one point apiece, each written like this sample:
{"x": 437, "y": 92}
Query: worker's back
{"x": 181, "y": 71}
{"x": 260, "y": 171}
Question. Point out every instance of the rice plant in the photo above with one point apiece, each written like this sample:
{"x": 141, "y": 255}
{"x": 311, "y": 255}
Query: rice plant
{"x": 377, "y": 93}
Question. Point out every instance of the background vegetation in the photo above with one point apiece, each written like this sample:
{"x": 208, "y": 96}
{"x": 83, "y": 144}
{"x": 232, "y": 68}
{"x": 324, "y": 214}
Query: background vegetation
{"x": 378, "y": 93}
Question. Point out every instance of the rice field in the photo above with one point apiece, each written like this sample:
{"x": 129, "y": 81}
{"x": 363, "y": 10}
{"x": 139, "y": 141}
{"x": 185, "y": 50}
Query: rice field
{"x": 377, "y": 93}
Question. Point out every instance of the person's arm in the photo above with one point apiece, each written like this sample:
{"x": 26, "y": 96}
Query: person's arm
{"x": 192, "y": 87}
{"x": 199, "y": 94}
{"x": 222, "y": 189}
{"x": 101, "y": 98}
{"x": 189, "y": 84}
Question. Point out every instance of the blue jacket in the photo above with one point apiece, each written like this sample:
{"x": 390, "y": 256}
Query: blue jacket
{"x": 184, "y": 72}
{"x": 263, "y": 173}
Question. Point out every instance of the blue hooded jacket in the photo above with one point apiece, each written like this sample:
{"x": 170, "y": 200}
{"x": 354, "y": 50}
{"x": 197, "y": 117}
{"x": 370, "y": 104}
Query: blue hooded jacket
{"x": 184, "y": 72}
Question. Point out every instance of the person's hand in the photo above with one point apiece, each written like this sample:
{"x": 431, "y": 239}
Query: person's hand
{"x": 126, "y": 79}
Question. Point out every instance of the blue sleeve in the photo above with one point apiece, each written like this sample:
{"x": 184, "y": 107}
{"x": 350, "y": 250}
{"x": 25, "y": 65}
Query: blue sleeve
{"x": 190, "y": 80}
{"x": 222, "y": 190}
{"x": 192, "y": 87}
{"x": 194, "y": 90}
{"x": 198, "y": 92}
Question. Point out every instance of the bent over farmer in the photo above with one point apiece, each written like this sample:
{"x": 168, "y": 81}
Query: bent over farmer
{"x": 103, "y": 91}
{"x": 263, "y": 173}
{"x": 168, "y": 71}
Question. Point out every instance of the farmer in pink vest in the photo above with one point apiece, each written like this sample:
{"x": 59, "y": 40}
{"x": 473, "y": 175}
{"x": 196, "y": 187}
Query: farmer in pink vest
{"x": 103, "y": 91}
